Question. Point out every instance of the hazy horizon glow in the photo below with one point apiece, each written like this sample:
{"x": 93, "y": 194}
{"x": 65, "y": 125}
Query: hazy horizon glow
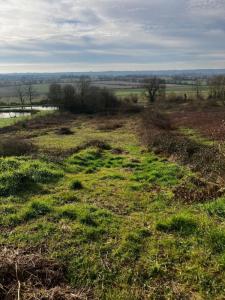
{"x": 111, "y": 35}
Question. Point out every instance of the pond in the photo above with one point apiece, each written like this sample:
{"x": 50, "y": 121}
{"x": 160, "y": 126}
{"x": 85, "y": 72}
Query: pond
{"x": 7, "y": 115}
{"x": 17, "y": 111}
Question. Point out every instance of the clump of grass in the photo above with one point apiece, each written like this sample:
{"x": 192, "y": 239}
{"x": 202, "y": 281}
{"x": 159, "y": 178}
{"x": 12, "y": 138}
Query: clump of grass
{"x": 34, "y": 210}
{"x": 76, "y": 185}
{"x": 67, "y": 212}
{"x": 66, "y": 198}
{"x": 183, "y": 224}
{"x": 17, "y": 175}
{"x": 92, "y": 159}
{"x": 156, "y": 172}
{"x": 131, "y": 245}
{"x": 216, "y": 208}
{"x": 216, "y": 240}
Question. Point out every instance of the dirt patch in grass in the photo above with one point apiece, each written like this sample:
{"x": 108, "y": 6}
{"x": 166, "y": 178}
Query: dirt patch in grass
{"x": 25, "y": 275}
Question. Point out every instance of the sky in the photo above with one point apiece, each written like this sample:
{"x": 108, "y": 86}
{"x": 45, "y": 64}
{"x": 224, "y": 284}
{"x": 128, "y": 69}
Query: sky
{"x": 111, "y": 35}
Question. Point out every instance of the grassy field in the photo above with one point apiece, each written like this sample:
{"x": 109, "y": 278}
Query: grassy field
{"x": 179, "y": 90}
{"x": 8, "y": 94}
{"x": 100, "y": 204}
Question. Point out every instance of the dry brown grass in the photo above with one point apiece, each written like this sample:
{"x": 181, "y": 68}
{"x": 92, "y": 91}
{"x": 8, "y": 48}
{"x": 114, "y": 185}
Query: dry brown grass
{"x": 154, "y": 119}
{"x": 14, "y": 146}
{"x": 40, "y": 122}
{"x": 110, "y": 125}
{"x": 28, "y": 276}
{"x": 210, "y": 123}
{"x": 200, "y": 191}
{"x": 203, "y": 158}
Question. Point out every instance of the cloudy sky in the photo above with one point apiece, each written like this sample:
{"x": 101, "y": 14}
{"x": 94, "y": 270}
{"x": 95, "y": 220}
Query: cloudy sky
{"x": 96, "y": 35}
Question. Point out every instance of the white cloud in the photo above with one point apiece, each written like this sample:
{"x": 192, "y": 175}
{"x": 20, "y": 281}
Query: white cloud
{"x": 62, "y": 30}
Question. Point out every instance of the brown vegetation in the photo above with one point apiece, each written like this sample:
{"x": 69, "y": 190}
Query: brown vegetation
{"x": 28, "y": 276}
{"x": 40, "y": 122}
{"x": 210, "y": 123}
{"x": 110, "y": 125}
{"x": 199, "y": 190}
{"x": 64, "y": 131}
{"x": 15, "y": 146}
{"x": 206, "y": 159}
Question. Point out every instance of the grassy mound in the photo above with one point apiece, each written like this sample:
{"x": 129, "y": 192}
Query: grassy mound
{"x": 17, "y": 175}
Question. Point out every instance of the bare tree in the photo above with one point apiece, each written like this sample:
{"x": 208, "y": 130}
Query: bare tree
{"x": 217, "y": 87}
{"x": 198, "y": 88}
{"x": 83, "y": 88}
{"x": 30, "y": 93}
{"x": 154, "y": 87}
{"x": 21, "y": 94}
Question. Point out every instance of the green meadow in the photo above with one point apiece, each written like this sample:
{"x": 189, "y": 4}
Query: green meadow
{"x": 102, "y": 205}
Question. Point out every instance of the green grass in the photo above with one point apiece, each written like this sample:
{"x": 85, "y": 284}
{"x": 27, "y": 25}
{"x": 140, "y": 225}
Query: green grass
{"x": 10, "y": 121}
{"x": 111, "y": 219}
{"x": 178, "y": 90}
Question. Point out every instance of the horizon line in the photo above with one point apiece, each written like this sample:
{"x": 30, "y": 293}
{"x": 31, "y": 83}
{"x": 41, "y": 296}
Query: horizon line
{"x": 115, "y": 71}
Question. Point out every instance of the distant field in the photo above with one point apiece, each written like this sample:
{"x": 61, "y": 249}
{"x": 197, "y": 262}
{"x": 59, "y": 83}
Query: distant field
{"x": 121, "y": 88}
{"x": 170, "y": 89}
